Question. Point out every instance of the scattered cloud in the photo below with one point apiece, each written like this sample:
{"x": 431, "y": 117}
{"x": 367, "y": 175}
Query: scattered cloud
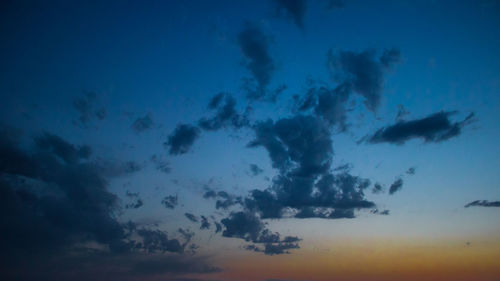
{"x": 254, "y": 45}
{"x": 181, "y": 140}
{"x": 142, "y": 124}
{"x": 436, "y": 127}
{"x": 483, "y": 203}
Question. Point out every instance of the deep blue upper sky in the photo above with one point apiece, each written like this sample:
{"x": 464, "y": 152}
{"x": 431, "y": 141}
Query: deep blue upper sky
{"x": 253, "y": 116}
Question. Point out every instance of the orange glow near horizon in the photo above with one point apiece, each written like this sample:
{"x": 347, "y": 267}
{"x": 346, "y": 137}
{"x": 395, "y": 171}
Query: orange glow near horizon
{"x": 374, "y": 260}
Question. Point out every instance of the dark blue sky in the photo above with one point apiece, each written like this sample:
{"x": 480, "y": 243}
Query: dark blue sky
{"x": 167, "y": 140}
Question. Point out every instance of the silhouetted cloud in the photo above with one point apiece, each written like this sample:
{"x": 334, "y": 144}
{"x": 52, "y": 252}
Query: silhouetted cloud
{"x": 295, "y": 9}
{"x": 301, "y": 149}
{"x": 161, "y": 164}
{"x": 362, "y": 71}
{"x": 191, "y": 217}
{"x": 254, "y": 45}
{"x": 396, "y": 186}
{"x": 85, "y": 106}
{"x": 64, "y": 150}
{"x": 170, "y": 201}
{"x": 53, "y": 204}
{"x": 255, "y": 170}
{"x": 328, "y": 104}
{"x": 181, "y": 140}
{"x": 390, "y": 57}
{"x": 248, "y": 226}
{"x": 377, "y": 188}
{"x": 225, "y": 115}
{"x": 411, "y": 171}
{"x": 483, "y": 203}
{"x": 204, "y": 223}
{"x": 136, "y": 200}
{"x": 142, "y": 124}
{"x": 433, "y": 128}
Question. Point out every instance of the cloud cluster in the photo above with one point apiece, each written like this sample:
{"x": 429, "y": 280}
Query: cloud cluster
{"x": 54, "y": 201}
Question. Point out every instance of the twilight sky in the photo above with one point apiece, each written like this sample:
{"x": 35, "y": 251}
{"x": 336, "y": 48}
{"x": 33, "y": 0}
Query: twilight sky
{"x": 325, "y": 140}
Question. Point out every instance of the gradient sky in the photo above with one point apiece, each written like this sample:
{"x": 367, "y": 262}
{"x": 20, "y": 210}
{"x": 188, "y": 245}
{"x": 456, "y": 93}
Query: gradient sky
{"x": 250, "y": 140}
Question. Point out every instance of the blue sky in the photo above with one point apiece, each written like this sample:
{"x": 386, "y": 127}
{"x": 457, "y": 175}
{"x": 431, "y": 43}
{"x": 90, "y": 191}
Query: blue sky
{"x": 83, "y": 73}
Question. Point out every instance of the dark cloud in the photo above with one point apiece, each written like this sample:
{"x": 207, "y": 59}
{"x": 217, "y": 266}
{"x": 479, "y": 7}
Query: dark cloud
{"x": 170, "y": 201}
{"x": 136, "y": 200}
{"x": 377, "y": 188}
{"x": 181, "y": 140}
{"x": 225, "y": 115}
{"x": 161, "y": 164}
{"x": 411, "y": 171}
{"x": 328, "y": 104}
{"x": 433, "y": 128}
{"x": 362, "y": 71}
{"x": 390, "y": 57}
{"x": 224, "y": 199}
{"x": 248, "y": 226}
{"x": 254, "y": 45}
{"x": 379, "y": 212}
{"x": 85, "y": 106}
{"x": 91, "y": 265}
{"x": 397, "y": 185}
{"x": 294, "y": 9}
{"x": 204, "y": 223}
{"x": 191, "y": 217}
{"x": 244, "y": 225}
{"x": 53, "y": 210}
{"x": 301, "y": 149}
{"x": 142, "y": 124}
{"x": 62, "y": 149}
{"x": 483, "y": 203}
{"x": 255, "y": 170}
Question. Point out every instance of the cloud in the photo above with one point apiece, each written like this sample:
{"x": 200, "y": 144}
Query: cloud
{"x": 85, "y": 107}
{"x": 397, "y": 185}
{"x": 254, "y": 45}
{"x": 225, "y": 115}
{"x": 191, "y": 217}
{"x": 255, "y": 170}
{"x": 248, "y": 226}
{"x": 54, "y": 208}
{"x": 181, "y": 140}
{"x": 136, "y": 201}
{"x": 170, "y": 201}
{"x": 142, "y": 124}
{"x": 62, "y": 149}
{"x": 483, "y": 203}
{"x": 377, "y": 188}
{"x": 436, "y": 127}
{"x": 204, "y": 223}
{"x": 301, "y": 150}
{"x": 328, "y": 104}
{"x": 295, "y": 9}
{"x": 90, "y": 265}
{"x": 362, "y": 71}
{"x": 161, "y": 164}
{"x": 411, "y": 171}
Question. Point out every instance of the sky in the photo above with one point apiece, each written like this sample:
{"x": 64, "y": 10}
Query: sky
{"x": 280, "y": 140}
